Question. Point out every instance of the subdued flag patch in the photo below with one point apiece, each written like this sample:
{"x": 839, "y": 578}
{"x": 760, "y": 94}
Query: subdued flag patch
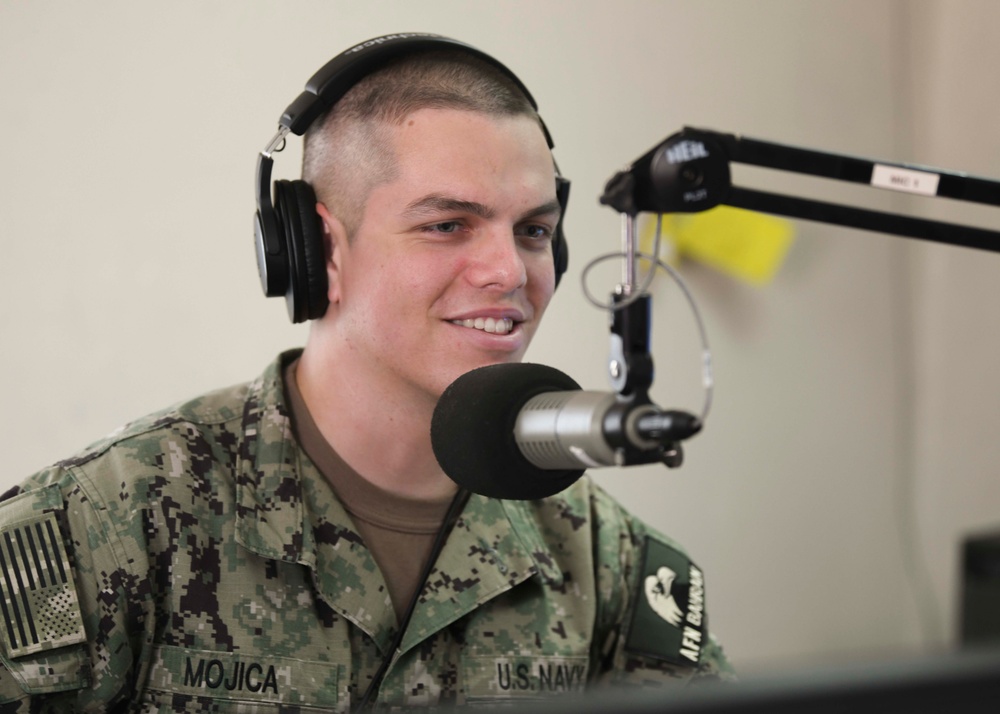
{"x": 38, "y": 597}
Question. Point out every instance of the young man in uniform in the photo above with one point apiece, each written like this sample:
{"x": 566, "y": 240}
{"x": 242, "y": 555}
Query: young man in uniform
{"x": 292, "y": 542}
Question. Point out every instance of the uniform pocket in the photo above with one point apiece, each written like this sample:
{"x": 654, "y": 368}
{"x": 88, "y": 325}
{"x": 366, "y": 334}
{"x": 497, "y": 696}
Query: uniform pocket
{"x": 58, "y": 670}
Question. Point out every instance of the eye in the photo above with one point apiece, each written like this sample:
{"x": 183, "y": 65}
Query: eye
{"x": 443, "y": 232}
{"x": 444, "y": 227}
{"x": 535, "y": 232}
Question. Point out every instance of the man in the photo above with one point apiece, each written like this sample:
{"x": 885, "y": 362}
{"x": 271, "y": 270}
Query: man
{"x": 292, "y": 543}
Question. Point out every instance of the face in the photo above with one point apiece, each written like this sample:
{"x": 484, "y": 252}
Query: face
{"x": 451, "y": 266}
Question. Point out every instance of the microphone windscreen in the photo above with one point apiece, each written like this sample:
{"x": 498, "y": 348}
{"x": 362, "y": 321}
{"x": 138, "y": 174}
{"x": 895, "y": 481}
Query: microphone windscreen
{"x": 472, "y": 431}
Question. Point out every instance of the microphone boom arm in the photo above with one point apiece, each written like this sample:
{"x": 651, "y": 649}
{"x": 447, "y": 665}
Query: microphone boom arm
{"x": 689, "y": 172}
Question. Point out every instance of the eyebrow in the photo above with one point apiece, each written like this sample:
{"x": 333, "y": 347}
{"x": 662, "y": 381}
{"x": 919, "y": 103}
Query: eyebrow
{"x": 549, "y": 207}
{"x": 437, "y": 203}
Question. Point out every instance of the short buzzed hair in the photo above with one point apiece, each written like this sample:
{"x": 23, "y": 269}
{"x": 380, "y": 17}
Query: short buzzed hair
{"x": 347, "y": 152}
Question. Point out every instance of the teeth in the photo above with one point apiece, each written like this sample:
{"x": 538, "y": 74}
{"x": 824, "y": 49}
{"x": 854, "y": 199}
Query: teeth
{"x": 488, "y": 324}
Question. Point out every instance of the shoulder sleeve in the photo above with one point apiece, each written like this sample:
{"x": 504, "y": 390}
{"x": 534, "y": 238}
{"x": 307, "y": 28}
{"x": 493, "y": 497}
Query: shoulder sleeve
{"x": 653, "y": 621}
{"x": 64, "y": 600}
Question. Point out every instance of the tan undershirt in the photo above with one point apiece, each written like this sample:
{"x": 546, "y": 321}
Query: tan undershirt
{"x": 398, "y": 531}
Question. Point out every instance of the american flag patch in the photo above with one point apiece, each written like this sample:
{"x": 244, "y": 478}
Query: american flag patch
{"x": 37, "y": 594}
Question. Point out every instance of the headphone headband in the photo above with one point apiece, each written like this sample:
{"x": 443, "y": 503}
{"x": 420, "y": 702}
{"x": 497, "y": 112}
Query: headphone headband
{"x": 288, "y": 235}
{"x": 334, "y": 79}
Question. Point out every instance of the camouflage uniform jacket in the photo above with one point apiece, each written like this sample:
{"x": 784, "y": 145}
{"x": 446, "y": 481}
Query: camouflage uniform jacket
{"x": 196, "y": 560}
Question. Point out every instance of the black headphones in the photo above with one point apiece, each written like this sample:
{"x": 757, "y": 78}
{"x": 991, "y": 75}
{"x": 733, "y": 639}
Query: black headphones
{"x": 289, "y": 236}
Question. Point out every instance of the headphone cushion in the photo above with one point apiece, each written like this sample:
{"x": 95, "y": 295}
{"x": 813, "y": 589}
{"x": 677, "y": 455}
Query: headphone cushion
{"x": 307, "y": 294}
{"x": 560, "y": 255}
{"x": 313, "y": 251}
{"x": 560, "y": 248}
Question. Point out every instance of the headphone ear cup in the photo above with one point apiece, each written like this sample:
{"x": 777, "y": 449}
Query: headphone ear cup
{"x": 295, "y": 204}
{"x": 560, "y": 249}
{"x": 560, "y": 254}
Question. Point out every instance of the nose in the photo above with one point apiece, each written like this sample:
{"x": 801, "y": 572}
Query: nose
{"x": 497, "y": 263}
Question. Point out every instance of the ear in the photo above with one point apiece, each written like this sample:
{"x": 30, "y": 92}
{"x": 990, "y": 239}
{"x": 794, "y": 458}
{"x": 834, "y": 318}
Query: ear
{"x": 334, "y": 245}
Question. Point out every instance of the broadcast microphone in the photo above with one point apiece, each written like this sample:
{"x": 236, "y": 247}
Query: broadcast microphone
{"x": 526, "y": 431}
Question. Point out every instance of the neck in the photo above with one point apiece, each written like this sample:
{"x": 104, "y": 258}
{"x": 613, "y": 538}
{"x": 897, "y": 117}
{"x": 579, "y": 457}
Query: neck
{"x": 384, "y": 437}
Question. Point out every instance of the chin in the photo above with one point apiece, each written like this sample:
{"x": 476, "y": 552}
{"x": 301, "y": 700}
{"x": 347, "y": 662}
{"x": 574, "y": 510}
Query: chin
{"x": 495, "y": 359}
{"x": 469, "y": 365}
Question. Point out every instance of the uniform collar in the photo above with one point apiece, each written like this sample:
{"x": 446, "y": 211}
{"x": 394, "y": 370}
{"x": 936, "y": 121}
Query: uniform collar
{"x": 495, "y": 545}
{"x": 269, "y": 501}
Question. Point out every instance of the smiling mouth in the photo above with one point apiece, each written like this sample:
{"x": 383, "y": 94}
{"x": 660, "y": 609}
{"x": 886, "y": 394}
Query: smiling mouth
{"x": 488, "y": 324}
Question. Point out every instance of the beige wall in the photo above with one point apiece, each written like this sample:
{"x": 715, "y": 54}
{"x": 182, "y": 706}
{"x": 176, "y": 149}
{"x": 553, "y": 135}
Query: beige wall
{"x": 956, "y": 340}
{"x": 849, "y": 447}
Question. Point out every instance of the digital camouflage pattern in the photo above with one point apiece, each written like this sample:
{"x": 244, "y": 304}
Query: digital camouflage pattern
{"x": 216, "y": 571}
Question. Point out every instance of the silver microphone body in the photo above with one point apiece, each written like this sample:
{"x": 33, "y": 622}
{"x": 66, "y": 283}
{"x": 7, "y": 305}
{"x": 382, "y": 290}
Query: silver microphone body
{"x": 564, "y": 430}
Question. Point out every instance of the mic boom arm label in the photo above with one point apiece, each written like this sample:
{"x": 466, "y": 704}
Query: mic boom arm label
{"x": 924, "y": 183}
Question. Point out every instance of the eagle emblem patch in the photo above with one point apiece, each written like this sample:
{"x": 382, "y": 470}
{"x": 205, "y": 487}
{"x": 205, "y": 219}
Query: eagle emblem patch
{"x": 668, "y": 616}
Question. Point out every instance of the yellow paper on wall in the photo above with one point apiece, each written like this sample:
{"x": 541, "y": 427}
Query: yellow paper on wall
{"x": 745, "y": 244}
